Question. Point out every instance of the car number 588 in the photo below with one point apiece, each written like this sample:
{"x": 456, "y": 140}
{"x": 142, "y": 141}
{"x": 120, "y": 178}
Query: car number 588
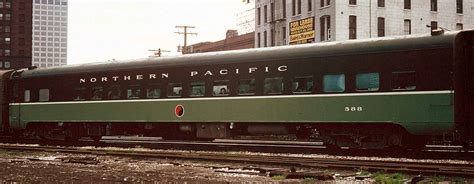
{"x": 353, "y": 109}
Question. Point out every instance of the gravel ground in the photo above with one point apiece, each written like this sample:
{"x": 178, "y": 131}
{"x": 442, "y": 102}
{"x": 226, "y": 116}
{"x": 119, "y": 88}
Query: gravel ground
{"x": 42, "y": 167}
{"x": 34, "y": 167}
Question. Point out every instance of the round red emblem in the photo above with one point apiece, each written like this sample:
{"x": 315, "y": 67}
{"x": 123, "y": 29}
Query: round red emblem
{"x": 179, "y": 111}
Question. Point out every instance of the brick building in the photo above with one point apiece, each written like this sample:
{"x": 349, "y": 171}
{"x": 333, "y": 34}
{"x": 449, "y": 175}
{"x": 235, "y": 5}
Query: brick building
{"x": 233, "y": 41}
{"x": 15, "y": 33}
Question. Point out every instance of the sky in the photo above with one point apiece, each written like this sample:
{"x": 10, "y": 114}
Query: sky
{"x": 102, "y": 30}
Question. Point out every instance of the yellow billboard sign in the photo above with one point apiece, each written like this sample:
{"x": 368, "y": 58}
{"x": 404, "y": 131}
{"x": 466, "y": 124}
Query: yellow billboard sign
{"x": 302, "y": 31}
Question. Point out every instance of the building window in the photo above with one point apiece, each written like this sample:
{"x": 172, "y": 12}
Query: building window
{"x": 22, "y": 17}
{"x": 22, "y": 29}
{"x": 22, "y": 41}
{"x": 367, "y": 82}
{"x": 7, "y": 53}
{"x": 7, "y": 64}
{"x": 265, "y": 18}
{"x": 353, "y": 2}
{"x": 272, "y": 12}
{"x": 380, "y": 3}
{"x": 407, "y": 26}
{"x": 325, "y": 22}
{"x": 459, "y": 7}
{"x": 8, "y": 16}
{"x": 407, "y": 4}
{"x": 299, "y": 7}
{"x": 293, "y": 5}
{"x": 434, "y": 5}
{"x": 259, "y": 40}
{"x": 434, "y": 25}
{"x": 334, "y": 83}
{"x": 259, "y": 14}
{"x": 352, "y": 27}
{"x": 283, "y": 30}
{"x": 310, "y": 5}
{"x": 380, "y": 27}
{"x": 265, "y": 39}
{"x": 273, "y": 85}
{"x": 459, "y": 26}
{"x": 283, "y": 2}
{"x": 272, "y": 37}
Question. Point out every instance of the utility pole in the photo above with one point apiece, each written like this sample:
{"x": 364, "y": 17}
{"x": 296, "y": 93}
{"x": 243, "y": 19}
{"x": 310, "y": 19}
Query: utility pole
{"x": 185, "y": 33}
{"x": 157, "y": 52}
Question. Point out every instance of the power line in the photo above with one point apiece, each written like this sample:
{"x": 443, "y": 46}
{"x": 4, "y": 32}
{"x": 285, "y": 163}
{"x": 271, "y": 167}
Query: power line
{"x": 185, "y": 33}
{"x": 157, "y": 52}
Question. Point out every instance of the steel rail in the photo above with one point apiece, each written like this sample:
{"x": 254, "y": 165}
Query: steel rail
{"x": 285, "y": 147}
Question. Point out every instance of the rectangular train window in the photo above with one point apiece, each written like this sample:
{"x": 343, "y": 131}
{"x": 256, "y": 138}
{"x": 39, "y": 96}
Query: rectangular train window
{"x": 27, "y": 96}
{"x": 79, "y": 94}
{"x": 175, "y": 90}
{"x": 220, "y": 88}
{"x": 404, "y": 80}
{"x": 113, "y": 92}
{"x": 153, "y": 91}
{"x": 133, "y": 92}
{"x": 302, "y": 85}
{"x": 44, "y": 95}
{"x": 198, "y": 89}
{"x": 368, "y": 81}
{"x": 97, "y": 93}
{"x": 246, "y": 87}
{"x": 273, "y": 85}
{"x": 334, "y": 83}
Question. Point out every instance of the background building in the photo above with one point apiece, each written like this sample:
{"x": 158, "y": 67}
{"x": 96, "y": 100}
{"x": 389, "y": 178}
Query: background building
{"x": 49, "y": 33}
{"x": 15, "y": 34}
{"x": 281, "y": 22}
{"x": 246, "y": 17}
{"x": 233, "y": 41}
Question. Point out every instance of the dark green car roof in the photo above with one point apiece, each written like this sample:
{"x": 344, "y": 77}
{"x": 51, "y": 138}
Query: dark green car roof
{"x": 315, "y": 50}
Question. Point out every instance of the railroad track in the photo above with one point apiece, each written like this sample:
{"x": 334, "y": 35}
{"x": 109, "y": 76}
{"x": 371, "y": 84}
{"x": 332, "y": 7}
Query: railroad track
{"x": 262, "y": 146}
{"x": 465, "y": 169}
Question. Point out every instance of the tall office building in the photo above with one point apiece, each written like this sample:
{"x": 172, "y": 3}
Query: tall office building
{"x": 15, "y": 34}
{"x": 282, "y": 22}
{"x": 50, "y": 19}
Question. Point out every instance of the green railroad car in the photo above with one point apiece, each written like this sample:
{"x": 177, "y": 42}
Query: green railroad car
{"x": 374, "y": 93}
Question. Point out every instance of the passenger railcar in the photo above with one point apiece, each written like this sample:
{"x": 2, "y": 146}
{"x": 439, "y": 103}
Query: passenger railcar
{"x": 376, "y": 93}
